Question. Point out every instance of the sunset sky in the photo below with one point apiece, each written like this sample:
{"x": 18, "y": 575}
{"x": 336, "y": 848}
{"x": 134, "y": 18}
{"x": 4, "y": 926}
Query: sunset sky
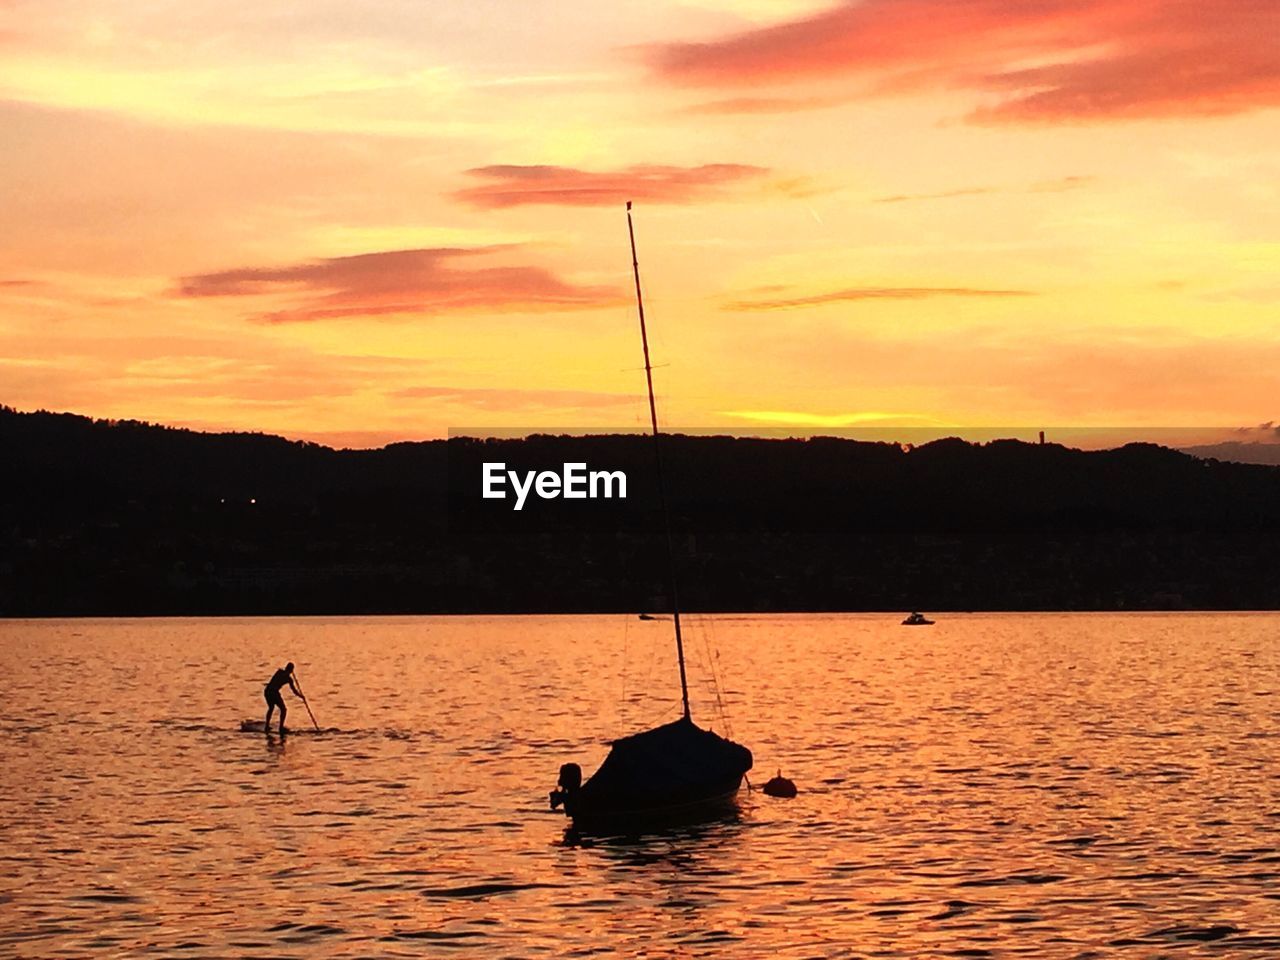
{"x": 364, "y": 222}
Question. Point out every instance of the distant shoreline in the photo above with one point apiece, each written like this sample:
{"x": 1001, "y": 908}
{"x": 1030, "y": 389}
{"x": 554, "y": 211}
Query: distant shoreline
{"x": 659, "y": 618}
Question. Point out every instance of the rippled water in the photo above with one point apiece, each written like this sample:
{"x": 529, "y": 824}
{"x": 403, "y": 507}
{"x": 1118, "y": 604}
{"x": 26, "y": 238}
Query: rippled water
{"x": 1006, "y": 786}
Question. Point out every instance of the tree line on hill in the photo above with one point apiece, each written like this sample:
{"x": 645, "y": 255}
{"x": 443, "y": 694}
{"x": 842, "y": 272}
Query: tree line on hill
{"x": 128, "y": 518}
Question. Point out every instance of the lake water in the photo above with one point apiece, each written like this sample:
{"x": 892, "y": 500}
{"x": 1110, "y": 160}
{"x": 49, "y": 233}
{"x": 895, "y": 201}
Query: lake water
{"x": 1006, "y": 786}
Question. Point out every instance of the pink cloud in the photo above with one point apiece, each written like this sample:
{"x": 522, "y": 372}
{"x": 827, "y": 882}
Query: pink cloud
{"x": 510, "y": 185}
{"x": 431, "y": 280}
{"x": 1094, "y": 59}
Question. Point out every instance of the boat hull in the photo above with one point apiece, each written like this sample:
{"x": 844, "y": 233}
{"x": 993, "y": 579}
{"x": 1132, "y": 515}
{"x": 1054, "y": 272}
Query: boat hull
{"x": 721, "y": 800}
{"x": 674, "y": 771}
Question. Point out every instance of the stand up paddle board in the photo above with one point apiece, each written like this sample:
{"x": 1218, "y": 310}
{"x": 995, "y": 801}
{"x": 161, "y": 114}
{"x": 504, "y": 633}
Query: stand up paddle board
{"x": 257, "y": 726}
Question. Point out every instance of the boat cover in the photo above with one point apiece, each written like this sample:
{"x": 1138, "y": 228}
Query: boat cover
{"x": 676, "y": 763}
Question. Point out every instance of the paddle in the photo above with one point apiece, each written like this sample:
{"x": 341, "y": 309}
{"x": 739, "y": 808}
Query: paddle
{"x": 305, "y": 704}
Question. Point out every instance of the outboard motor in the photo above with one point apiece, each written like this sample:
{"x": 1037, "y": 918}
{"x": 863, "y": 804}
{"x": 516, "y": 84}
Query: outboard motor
{"x": 569, "y": 782}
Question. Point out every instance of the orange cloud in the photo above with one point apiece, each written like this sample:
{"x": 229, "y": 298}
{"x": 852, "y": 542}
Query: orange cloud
{"x": 507, "y": 399}
{"x": 175, "y": 378}
{"x": 1059, "y": 185}
{"x": 430, "y": 280}
{"x": 1094, "y": 59}
{"x": 873, "y": 293}
{"x": 765, "y": 105}
{"x": 512, "y": 186}
{"x": 941, "y": 195}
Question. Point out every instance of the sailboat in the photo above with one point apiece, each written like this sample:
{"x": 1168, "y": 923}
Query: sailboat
{"x": 677, "y": 771}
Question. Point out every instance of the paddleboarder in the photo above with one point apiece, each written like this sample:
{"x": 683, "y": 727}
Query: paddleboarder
{"x": 272, "y": 694}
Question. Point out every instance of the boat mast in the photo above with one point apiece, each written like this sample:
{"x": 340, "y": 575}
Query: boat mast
{"x": 657, "y": 461}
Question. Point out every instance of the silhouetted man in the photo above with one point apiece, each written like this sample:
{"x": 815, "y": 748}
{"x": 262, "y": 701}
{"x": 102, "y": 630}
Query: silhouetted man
{"x": 272, "y": 694}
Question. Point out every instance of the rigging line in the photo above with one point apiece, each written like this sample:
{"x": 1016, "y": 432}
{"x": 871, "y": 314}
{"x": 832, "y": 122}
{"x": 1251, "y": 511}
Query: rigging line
{"x": 695, "y": 655}
{"x": 724, "y": 707}
{"x": 622, "y": 704}
{"x": 662, "y": 714}
{"x": 649, "y": 663}
{"x": 713, "y": 657}
{"x": 708, "y": 626}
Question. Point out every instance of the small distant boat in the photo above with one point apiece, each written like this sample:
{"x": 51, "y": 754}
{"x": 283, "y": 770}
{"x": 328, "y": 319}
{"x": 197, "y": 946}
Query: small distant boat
{"x": 917, "y": 619}
{"x": 674, "y": 773}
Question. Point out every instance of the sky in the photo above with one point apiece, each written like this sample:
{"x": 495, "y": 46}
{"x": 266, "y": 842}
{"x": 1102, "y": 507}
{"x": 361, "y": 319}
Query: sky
{"x": 361, "y": 223}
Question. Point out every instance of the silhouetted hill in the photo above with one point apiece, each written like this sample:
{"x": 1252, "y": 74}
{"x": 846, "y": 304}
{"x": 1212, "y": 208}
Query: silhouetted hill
{"x": 131, "y": 518}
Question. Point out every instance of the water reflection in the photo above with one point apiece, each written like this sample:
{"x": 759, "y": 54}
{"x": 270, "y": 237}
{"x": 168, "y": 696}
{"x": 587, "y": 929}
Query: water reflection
{"x": 703, "y": 831}
{"x": 1036, "y": 786}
